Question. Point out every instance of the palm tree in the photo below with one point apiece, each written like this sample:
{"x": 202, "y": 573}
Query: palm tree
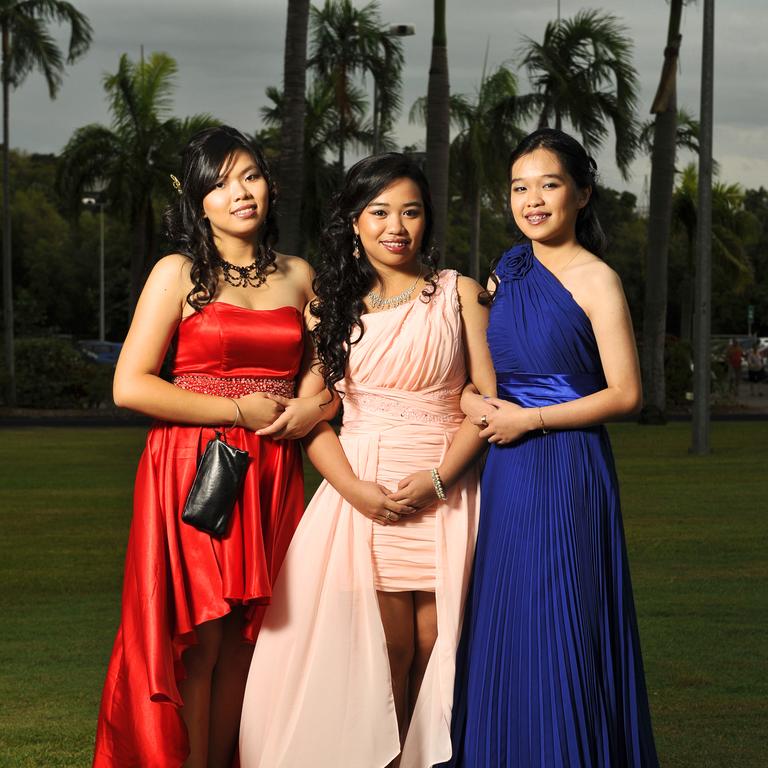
{"x": 321, "y": 139}
{"x": 347, "y": 42}
{"x": 439, "y": 125}
{"x": 291, "y": 166}
{"x": 27, "y": 45}
{"x": 582, "y": 72}
{"x": 489, "y": 127}
{"x": 733, "y": 228}
{"x": 132, "y": 159}
{"x": 659, "y": 223}
{"x": 686, "y": 133}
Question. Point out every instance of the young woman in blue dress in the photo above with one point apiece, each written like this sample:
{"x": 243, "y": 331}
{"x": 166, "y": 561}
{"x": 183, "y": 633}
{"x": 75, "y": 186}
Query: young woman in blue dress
{"x": 551, "y": 672}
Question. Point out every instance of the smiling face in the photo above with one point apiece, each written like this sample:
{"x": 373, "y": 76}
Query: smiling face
{"x": 544, "y": 199}
{"x": 391, "y": 226}
{"x": 239, "y": 201}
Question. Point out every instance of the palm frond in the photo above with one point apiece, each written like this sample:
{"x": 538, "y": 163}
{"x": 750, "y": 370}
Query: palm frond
{"x": 61, "y": 12}
{"x": 582, "y": 72}
{"x": 34, "y": 48}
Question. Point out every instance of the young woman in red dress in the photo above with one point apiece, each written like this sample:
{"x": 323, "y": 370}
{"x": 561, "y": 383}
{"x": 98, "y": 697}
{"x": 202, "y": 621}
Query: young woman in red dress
{"x": 233, "y": 309}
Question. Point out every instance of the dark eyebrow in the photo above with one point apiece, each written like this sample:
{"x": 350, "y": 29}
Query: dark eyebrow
{"x": 543, "y": 176}
{"x": 406, "y": 205}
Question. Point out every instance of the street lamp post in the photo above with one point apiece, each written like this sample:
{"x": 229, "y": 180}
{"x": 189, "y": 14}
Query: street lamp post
{"x": 395, "y": 30}
{"x": 702, "y": 364}
{"x": 96, "y": 201}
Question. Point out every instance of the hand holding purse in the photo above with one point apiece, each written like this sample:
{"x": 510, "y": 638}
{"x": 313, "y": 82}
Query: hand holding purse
{"x": 219, "y": 478}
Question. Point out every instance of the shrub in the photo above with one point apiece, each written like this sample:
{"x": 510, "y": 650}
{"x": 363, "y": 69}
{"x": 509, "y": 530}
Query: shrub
{"x": 52, "y": 373}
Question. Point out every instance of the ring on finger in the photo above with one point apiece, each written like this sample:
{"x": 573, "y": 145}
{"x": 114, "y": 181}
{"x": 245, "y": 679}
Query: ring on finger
{"x": 390, "y": 516}
{"x": 484, "y": 420}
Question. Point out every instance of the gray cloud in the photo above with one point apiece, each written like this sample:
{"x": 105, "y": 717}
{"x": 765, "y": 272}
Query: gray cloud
{"x": 229, "y": 51}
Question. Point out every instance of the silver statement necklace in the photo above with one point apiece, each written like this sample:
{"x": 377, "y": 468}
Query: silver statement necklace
{"x": 378, "y": 302}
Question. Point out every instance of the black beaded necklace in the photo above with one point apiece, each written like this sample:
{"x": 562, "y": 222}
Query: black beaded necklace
{"x": 240, "y": 277}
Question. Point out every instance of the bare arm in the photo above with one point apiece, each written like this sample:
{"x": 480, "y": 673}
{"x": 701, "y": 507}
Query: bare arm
{"x": 326, "y": 454}
{"x": 601, "y": 295}
{"x": 313, "y": 403}
{"x": 417, "y": 490}
{"x": 137, "y": 384}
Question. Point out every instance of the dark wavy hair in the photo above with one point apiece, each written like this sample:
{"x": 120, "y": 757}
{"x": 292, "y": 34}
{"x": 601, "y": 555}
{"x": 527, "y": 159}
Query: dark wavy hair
{"x": 343, "y": 281}
{"x": 581, "y": 168}
{"x": 206, "y": 157}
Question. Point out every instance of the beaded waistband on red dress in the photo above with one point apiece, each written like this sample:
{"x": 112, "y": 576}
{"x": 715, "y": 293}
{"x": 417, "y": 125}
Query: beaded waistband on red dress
{"x": 234, "y": 386}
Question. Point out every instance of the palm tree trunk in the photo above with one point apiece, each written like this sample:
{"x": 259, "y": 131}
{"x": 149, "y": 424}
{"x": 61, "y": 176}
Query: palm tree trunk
{"x": 686, "y": 309}
{"x": 659, "y": 226}
{"x": 143, "y": 241}
{"x": 474, "y": 236}
{"x": 342, "y": 142}
{"x": 10, "y": 367}
{"x": 438, "y": 125}
{"x": 291, "y": 170}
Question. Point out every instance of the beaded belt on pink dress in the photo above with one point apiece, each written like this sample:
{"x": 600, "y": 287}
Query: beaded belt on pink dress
{"x": 234, "y": 386}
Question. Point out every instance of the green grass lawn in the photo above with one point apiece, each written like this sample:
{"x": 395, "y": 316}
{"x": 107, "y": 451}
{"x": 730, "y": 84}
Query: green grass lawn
{"x": 696, "y": 532}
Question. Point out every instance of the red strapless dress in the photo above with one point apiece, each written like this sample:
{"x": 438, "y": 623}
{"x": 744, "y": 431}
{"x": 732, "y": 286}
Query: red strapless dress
{"x": 177, "y": 577}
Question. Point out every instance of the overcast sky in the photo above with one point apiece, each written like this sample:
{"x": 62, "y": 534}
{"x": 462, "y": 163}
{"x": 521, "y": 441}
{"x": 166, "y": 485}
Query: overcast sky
{"x": 229, "y": 51}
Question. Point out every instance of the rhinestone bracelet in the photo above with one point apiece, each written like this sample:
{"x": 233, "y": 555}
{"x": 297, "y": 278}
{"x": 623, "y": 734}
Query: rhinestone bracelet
{"x": 438, "y": 483}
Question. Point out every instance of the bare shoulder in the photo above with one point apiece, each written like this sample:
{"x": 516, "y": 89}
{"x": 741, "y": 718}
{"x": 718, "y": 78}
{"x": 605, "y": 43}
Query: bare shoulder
{"x": 166, "y": 288}
{"x": 596, "y": 287}
{"x": 467, "y": 286}
{"x": 295, "y": 268}
{"x": 469, "y": 291}
{"x": 171, "y": 274}
{"x": 593, "y": 275}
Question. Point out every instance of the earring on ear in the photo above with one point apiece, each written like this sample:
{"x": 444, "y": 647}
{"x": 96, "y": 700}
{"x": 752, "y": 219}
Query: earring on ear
{"x": 356, "y": 249}
{"x": 176, "y": 183}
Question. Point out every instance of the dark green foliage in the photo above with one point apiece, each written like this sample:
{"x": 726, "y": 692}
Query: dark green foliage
{"x": 677, "y": 370}
{"x": 52, "y": 373}
{"x": 56, "y": 282}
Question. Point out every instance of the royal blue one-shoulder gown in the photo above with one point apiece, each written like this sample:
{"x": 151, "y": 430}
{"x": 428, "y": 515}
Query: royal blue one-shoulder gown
{"x": 550, "y": 672}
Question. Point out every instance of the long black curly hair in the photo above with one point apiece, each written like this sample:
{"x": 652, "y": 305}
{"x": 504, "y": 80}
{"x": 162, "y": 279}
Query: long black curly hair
{"x": 343, "y": 281}
{"x": 582, "y": 169}
{"x": 207, "y": 155}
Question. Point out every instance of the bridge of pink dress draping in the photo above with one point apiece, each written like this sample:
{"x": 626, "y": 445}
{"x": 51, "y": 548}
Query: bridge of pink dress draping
{"x": 319, "y": 690}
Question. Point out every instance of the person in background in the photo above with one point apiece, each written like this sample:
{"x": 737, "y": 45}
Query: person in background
{"x": 733, "y": 357}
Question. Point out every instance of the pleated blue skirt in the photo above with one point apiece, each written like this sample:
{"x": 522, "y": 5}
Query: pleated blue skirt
{"x": 550, "y": 672}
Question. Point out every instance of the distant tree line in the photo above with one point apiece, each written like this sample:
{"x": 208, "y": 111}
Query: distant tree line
{"x": 582, "y": 79}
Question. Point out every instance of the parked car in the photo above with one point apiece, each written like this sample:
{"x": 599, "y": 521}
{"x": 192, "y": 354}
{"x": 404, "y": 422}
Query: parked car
{"x": 105, "y": 352}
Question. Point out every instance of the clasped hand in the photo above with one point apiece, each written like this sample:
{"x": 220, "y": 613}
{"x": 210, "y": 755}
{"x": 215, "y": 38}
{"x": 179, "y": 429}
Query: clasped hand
{"x": 500, "y": 421}
{"x": 414, "y": 493}
{"x": 278, "y": 417}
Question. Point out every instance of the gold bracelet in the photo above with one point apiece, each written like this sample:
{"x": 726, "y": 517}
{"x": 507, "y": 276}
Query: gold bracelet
{"x": 238, "y": 413}
{"x": 438, "y": 483}
{"x": 544, "y": 430}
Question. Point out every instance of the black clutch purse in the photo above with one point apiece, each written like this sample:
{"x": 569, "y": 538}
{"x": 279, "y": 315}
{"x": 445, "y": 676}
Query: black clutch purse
{"x": 219, "y": 478}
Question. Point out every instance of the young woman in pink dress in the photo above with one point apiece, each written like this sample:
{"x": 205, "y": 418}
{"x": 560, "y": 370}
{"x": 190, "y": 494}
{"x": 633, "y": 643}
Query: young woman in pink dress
{"x": 192, "y": 603}
{"x": 355, "y": 660}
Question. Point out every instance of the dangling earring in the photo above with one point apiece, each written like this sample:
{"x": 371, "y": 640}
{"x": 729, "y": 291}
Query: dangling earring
{"x": 356, "y": 250}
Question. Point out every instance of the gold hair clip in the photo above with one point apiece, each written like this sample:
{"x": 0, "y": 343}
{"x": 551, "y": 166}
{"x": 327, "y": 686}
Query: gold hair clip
{"x": 176, "y": 183}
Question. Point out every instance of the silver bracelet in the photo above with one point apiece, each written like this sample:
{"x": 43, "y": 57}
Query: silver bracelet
{"x": 238, "y": 413}
{"x": 438, "y": 483}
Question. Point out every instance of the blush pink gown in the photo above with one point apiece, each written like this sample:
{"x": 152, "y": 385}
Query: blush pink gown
{"x": 319, "y": 690}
